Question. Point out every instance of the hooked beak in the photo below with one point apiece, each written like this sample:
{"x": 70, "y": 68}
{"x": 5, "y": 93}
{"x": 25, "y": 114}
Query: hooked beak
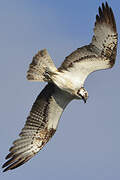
{"x": 83, "y": 98}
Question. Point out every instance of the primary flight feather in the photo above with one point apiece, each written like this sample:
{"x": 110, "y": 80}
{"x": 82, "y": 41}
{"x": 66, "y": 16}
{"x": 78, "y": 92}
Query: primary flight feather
{"x": 64, "y": 84}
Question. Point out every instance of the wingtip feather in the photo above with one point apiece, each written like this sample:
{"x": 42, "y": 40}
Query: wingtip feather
{"x": 106, "y": 15}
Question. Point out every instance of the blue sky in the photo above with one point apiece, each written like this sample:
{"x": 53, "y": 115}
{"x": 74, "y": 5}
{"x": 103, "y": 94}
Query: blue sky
{"x": 86, "y": 144}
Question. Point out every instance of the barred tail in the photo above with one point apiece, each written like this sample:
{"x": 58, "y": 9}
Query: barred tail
{"x": 41, "y": 68}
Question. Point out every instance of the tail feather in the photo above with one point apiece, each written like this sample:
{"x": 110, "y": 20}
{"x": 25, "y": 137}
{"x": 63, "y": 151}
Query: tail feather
{"x": 41, "y": 68}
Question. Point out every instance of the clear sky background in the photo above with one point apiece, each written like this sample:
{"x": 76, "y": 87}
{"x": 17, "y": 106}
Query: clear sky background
{"x": 86, "y": 145}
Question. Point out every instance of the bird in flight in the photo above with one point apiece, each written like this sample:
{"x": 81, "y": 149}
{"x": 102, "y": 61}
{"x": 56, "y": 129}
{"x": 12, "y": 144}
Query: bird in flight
{"x": 64, "y": 84}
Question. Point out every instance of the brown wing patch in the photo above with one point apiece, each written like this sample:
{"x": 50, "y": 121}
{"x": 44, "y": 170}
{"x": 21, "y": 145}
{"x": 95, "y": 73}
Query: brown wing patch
{"x": 35, "y": 133}
{"x": 81, "y": 54}
{"x": 20, "y": 154}
{"x": 105, "y": 34}
{"x": 40, "y": 126}
{"x": 103, "y": 45}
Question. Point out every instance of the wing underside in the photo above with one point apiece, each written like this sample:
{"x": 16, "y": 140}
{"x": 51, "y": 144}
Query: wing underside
{"x": 100, "y": 53}
{"x": 43, "y": 119}
{"x": 40, "y": 126}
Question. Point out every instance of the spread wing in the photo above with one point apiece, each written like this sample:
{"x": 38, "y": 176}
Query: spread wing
{"x": 40, "y": 126}
{"x": 100, "y": 53}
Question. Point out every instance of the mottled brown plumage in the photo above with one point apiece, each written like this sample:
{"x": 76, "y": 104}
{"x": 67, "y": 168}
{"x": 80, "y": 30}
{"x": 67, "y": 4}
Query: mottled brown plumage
{"x": 64, "y": 84}
{"x": 103, "y": 45}
{"x": 39, "y": 127}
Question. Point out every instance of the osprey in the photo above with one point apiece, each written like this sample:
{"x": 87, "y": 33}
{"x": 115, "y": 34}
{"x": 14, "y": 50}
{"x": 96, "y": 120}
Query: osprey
{"x": 64, "y": 84}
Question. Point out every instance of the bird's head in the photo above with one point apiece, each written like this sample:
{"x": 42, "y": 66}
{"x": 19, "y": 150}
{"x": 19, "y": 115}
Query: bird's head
{"x": 82, "y": 94}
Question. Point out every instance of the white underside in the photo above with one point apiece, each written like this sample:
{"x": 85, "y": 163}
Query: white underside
{"x": 73, "y": 79}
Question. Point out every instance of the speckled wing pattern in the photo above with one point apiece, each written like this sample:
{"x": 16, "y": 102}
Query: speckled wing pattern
{"x": 40, "y": 126}
{"x": 43, "y": 119}
{"x": 100, "y": 53}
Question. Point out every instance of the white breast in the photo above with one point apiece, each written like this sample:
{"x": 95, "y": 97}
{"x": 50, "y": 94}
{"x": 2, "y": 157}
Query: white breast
{"x": 67, "y": 81}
